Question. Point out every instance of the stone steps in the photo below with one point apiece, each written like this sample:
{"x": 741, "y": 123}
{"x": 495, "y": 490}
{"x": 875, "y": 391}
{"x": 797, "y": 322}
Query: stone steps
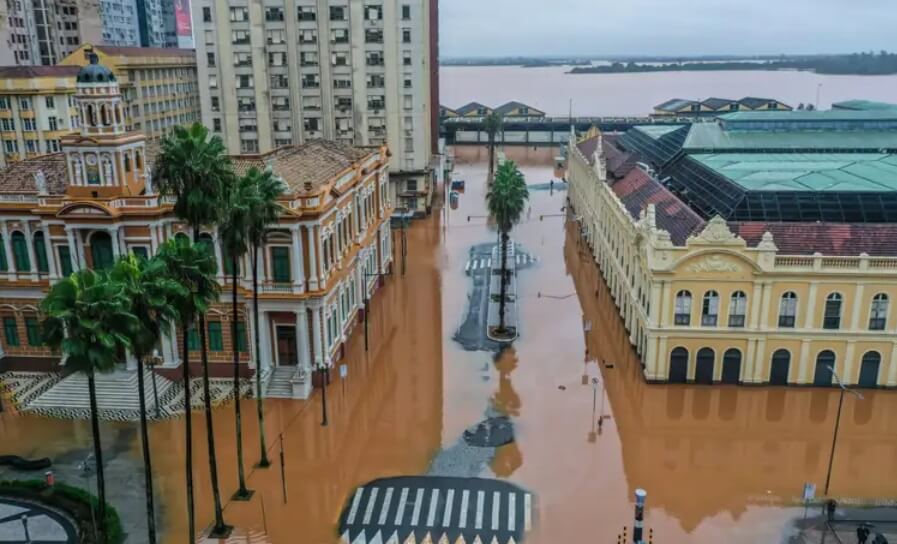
{"x": 116, "y": 391}
{"x": 279, "y": 384}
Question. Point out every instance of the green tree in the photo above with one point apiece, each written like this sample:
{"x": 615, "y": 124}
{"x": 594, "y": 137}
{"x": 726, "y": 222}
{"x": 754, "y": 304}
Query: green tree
{"x": 492, "y": 124}
{"x": 506, "y": 201}
{"x": 88, "y": 318}
{"x": 193, "y": 267}
{"x": 264, "y": 212}
{"x": 193, "y": 167}
{"x": 150, "y": 293}
{"x": 233, "y": 231}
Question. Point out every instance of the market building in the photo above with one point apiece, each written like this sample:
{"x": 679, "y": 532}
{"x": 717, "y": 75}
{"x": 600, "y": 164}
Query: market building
{"x": 755, "y": 249}
{"x": 95, "y": 201}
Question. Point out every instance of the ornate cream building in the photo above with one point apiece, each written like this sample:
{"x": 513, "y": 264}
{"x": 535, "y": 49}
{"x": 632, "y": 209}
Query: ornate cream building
{"x": 713, "y": 287}
{"x": 94, "y": 201}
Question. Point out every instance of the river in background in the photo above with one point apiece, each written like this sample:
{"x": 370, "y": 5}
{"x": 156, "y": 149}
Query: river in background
{"x": 550, "y": 89}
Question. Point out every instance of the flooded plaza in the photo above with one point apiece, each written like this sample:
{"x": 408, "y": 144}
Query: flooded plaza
{"x": 719, "y": 463}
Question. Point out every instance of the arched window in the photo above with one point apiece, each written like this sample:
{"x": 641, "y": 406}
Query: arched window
{"x": 704, "y": 366}
{"x": 104, "y": 115}
{"x": 138, "y": 160}
{"x": 205, "y": 240}
{"x": 91, "y": 115}
{"x": 683, "y": 308}
{"x": 737, "y": 309}
{"x": 710, "y": 309}
{"x": 127, "y": 162}
{"x": 788, "y": 310}
{"x": 778, "y": 370}
{"x": 732, "y": 366}
{"x": 4, "y": 264}
{"x": 20, "y": 252}
{"x": 825, "y": 364}
{"x": 869, "y": 369}
{"x": 878, "y": 315}
{"x": 40, "y": 252}
{"x": 832, "y": 317}
{"x": 679, "y": 365}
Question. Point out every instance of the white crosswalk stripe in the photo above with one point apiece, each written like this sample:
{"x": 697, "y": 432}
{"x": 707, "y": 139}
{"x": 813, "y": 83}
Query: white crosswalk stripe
{"x": 418, "y": 502}
{"x": 385, "y": 510}
{"x": 465, "y": 495}
{"x": 400, "y": 513}
{"x": 355, "y": 502}
{"x": 371, "y": 502}
{"x": 512, "y": 511}
{"x": 527, "y": 512}
{"x": 496, "y": 507}
{"x": 447, "y": 518}
{"x": 481, "y": 496}
{"x": 434, "y": 502}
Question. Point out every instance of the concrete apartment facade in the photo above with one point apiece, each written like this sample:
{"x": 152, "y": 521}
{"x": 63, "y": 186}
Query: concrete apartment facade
{"x": 360, "y": 73}
{"x": 159, "y": 89}
{"x": 121, "y": 22}
{"x": 157, "y": 24}
{"x": 42, "y": 32}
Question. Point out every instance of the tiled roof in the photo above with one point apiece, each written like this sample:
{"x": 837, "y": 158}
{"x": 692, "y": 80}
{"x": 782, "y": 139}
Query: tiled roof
{"x": 638, "y": 189}
{"x": 513, "y": 105}
{"x": 717, "y": 103}
{"x": 473, "y": 106}
{"x": 307, "y": 167}
{"x": 845, "y": 239}
{"x": 588, "y": 146}
{"x": 145, "y": 51}
{"x": 619, "y": 161}
{"x": 675, "y": 104}
{"x": 18, "y": 177}
{"x": 28, "y": 72}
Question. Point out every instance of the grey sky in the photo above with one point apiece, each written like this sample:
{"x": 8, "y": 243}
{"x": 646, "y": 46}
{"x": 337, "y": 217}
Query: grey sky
{"x": 660, "y": 27}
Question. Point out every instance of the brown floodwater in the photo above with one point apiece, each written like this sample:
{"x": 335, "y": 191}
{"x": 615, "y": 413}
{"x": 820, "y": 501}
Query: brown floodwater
{"x": 719, "y": 463}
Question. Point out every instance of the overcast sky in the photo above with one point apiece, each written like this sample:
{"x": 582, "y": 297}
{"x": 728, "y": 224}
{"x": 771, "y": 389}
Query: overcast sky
{"x": 664, "y": 27}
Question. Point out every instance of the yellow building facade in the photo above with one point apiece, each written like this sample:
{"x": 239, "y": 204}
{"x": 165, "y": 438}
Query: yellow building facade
{"x": 709, "y": 308}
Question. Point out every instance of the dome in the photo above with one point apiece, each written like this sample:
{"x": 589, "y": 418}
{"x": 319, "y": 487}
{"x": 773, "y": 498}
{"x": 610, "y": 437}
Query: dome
{"x": 95, "y": 72}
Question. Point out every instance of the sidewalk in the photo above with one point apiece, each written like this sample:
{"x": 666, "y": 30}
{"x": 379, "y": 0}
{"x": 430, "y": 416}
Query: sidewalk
{"x": 816, "y": 529}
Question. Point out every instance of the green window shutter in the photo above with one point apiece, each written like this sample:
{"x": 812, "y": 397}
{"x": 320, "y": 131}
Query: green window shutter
{"x": 280, "y": 260}
{"x": 192, "y": 339}
{"x": 20, "y": 252}
{"x": 216, "y": 343}
{"x": 40, "y": 252}
{"x": 10, "y": 331}
{"x": 32, "y": 328}
{"x": 228, "y": 267}
{"x": 4, "y": 266}
{"x": 241, "y": 337}
{"x": 141, "y": 252}
{"x": 65, "y": 260}
{"x": 206, "y": 242}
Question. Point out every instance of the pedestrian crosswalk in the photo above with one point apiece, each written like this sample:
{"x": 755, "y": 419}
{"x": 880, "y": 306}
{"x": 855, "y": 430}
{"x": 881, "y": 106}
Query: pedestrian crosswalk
{"x": 484, "y": 263}
{"x": 437, "y": 509}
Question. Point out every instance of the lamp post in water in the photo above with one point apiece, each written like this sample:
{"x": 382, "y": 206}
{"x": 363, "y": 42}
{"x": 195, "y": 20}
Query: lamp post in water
{"x": 638, "y": 526}
{"x": 831, "y": 459}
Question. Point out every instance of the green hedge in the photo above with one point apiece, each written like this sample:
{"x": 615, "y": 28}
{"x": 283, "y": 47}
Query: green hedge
{"x": 74, "y": 501}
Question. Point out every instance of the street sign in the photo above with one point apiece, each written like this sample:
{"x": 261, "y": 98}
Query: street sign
{"x": 343, "y": 371}
{"x": 809, "y": 491}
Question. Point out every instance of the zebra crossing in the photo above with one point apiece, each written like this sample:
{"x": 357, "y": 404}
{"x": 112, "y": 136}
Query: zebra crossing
{"x": 484, "y": 263}
{"x": 436, "y": 509}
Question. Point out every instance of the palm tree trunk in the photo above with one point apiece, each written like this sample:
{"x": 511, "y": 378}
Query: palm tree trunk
{"x": 147, "y": 459}
{"x": 97, "y": 453}
{"x": 242, "y": 492}
{"x": 504, "y": 281}
{"x": 491, "y": 156}
{"x": 188, "y": 431}
{"x": 220, "y": 529}
{"x": 260, "y": 400}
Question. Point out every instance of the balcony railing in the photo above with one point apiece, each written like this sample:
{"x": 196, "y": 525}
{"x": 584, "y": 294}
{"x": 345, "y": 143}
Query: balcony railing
{"x": 836, "y": 264}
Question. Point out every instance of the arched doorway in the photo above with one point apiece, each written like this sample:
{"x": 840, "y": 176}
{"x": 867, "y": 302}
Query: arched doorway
{"x": 732, "y": 366}
{"x": 101, "y": 251}
{"x": 869, "y": 369}
{"x": 779, "y": 369}
{"x": 825, "y": 362}
{"x": 704, "y": 366}
{"x": 679, "y": 365}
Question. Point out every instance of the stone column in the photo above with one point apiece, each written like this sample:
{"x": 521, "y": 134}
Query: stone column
{"x": 847, "y": 373}
{"x": 804, "y": 361}
{"x": 759, "y": 356}
{"x": 322, "y": 271}
{"x": 219, "y": 255}
{"x": 264, "y": 331}
{"x": 857, "y": 308}
{"x": 298, "y": 260}
{"x": 29, "y": 241}
{"x": 7, "y": 248}
{"x": 756, "y": 320}
{"x": 811, "y": 305}
{"x": 73, "y": 248}
{"x": 52, "y": 261}
{"x": 305, "y": 361}
{"x": 312, "y": 259}
{"x": 116, "y": 244}
{"x": 892, "y": 370}
{"x": 317, "y": 336}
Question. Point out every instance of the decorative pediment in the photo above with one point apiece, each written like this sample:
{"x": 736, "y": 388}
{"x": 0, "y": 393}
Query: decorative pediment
{"x": 84, "y": 209}
{"x": 717, "y": 233}
{"x": 713, "y": 263}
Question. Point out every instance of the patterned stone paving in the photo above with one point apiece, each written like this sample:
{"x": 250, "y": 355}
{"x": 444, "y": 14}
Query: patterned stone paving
{"x": 43, "y": 526}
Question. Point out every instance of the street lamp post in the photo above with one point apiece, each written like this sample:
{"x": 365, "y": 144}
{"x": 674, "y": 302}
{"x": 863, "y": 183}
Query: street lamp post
{"x": 831, "y": 459}
{"x": 367, "y": 302}
{"x": 323, "y": 370}
{"x": 154, "y": 360}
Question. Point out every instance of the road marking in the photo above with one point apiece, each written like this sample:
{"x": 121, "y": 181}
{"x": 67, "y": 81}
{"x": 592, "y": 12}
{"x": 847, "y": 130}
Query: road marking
{"x": 481, "y": 495}
{"x": 527, "y": 512}
{"x": 418, "y": 502}
{"x": 467, "y": 268}
{"x": 512, "y": 510}
{"x": 370, "y": 509}
{"x": 448, "y": 508}
{"x": 434, "y": 501}
{"x": 385, "y": 510}
{"x": 401, "y": 511}
{"x": 496, "y": 506}
{"x": 462, "y": 523}
{"x": 355, "y": 503}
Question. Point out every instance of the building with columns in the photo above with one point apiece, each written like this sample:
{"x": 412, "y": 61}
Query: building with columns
{"x": 757, "y": 249}
{"x": 95, "y": 201}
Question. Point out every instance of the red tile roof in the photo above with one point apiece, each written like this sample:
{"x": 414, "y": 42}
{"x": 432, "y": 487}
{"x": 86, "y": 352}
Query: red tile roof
{"x": 844, "y": 239}
{"x": 619, "y": 162}
{"x": 637, "y": 190}
{"x": 28, "y": 72}
{"x": 145, "y": 51}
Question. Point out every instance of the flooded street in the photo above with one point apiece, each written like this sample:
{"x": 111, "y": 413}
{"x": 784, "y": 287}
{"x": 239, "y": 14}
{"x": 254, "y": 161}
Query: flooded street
{"x": 715, "y": 461}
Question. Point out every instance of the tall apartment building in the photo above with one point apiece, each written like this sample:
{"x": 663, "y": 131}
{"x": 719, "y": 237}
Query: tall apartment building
{"x": 121, "y": 22}
{"x": 157, "y": 24}
{"x": 159, "y": 89}
{"x": 361, "y": 73}
{"x": 45, "y": 31}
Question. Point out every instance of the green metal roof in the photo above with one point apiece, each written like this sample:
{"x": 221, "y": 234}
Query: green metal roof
{"x": 711, "y": 137}
{"x": 814, "y": 172}
{"x": 656, "y": 131}
{"x": 863, "y": 105}
{"x": 817, "y": 115}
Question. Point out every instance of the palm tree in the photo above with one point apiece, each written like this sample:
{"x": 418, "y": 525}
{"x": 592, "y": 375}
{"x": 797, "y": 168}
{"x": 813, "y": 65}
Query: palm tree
{"x": 506, "y": 201}
{"x": 264, "y": 212}
{"x": 191, "y": 266}
{"x": 193, "y": 167}
{"x": 234, "y": 234}
{"x": 88, "y": 318}
{"x": 150, "y": 293}
{"x": 492, "y": 124}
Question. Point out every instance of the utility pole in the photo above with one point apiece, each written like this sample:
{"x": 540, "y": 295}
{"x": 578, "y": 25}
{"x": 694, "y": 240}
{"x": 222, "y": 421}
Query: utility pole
{"x": 831, "y": 459}
{"x": 323, "y": 370}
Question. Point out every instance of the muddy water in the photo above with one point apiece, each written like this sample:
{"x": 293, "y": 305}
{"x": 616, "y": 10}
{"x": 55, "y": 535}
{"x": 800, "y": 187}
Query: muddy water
{"x": 719, "y": 464}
